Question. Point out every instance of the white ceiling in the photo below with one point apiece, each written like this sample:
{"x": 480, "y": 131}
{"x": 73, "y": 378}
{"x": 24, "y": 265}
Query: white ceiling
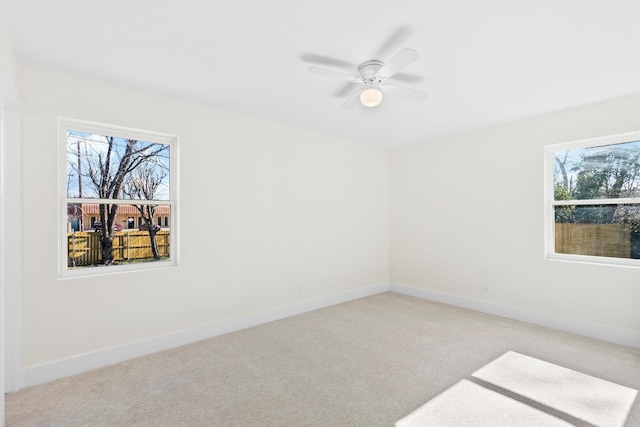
{"x": 483, "y": 62}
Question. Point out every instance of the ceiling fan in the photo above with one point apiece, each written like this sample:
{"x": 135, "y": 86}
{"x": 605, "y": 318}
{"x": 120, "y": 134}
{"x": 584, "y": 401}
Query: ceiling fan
{"x": 373, "y": 78}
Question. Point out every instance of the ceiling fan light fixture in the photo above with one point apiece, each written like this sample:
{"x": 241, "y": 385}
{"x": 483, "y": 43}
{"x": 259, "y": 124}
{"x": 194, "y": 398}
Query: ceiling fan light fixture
{"x": 371, "y": 97}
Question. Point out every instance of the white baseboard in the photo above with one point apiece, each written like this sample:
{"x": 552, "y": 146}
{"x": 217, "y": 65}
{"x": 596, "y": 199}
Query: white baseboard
{"x": 579, "y": 327}
{"x": 75, "y": 365}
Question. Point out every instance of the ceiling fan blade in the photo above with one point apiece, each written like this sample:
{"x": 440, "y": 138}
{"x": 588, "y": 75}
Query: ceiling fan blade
{"x": 405, "y": 92}
{"x": 345, "y": 90}
{"x": 352, "y": 100}
{"x": 407, "y": 78}
{"x": 395, "y": 40}
{"x": 325, "y": 60}
{"x": 400, "y": 60}
{"x": 335, "y": 74}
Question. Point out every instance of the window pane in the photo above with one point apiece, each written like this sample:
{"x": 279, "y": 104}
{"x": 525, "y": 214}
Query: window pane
{"x": 604, "y": 172}
{"x": 598, "y": 230}
{"x": 129, "y": 245}
{"x": 107, "y": 167}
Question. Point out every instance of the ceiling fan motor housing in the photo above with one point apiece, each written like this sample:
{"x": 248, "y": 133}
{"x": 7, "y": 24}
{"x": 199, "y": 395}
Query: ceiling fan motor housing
{"x": 369, "y": 69}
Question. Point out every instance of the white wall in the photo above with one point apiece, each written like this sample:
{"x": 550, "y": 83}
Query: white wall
{"x": 10, "y": 223}
{"x": 263, "y": 208}
{"x": 8, "y": 61}
{"x": 469, "y": 210}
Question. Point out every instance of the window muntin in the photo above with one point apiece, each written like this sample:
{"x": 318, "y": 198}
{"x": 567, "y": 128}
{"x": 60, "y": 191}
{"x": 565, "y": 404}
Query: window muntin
{"x": 593, "y": 200}
{"x": 112, "y": 178}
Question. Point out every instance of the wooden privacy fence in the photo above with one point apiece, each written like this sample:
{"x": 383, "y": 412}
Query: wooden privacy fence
{"x": 610, "y": 240}
{"x": 84, "y": 247}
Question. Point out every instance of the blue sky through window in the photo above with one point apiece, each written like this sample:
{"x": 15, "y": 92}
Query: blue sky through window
{"x": 87, "y": 151}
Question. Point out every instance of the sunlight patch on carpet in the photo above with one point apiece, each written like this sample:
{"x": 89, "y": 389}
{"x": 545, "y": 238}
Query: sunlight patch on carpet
{"x": 510, "y": 386}
{"x": 467, "y": 404}
{"x": 588, "y": 398}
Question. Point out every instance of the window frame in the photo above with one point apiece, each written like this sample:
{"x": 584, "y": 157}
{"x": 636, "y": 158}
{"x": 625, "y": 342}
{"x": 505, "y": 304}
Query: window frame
{"x": 551, "y": 203}
{"x": 70, "y": 124}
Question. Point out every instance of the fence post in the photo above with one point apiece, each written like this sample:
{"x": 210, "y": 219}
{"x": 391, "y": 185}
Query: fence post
{"x": 73, "y": 249}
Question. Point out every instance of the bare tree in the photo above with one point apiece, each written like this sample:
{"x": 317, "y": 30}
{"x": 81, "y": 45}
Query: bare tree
{"x": 562, "y": 165}
{"x": 107, "y": 166}
{"x": 143, "y": 184}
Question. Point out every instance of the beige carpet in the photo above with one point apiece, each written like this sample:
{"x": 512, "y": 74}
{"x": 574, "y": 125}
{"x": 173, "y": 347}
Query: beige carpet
{"x": 369, "y": 362}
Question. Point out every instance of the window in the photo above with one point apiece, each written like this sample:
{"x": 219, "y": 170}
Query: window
{"x": 109, "y": 176}
{"x": 593, "y": 200}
